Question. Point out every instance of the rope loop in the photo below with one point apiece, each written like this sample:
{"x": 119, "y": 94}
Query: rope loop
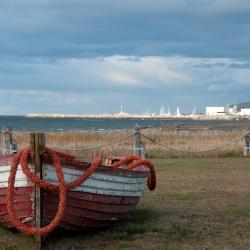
{"x": 10, "y": 197}
{"x": 136, "y": 161}
{"x": 23, "y": 158}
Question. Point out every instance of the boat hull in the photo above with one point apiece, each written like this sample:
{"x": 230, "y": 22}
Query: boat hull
{"x": 109, "y": 195}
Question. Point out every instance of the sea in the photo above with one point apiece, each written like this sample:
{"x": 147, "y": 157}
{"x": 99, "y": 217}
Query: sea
{"x": 22, "y": 123}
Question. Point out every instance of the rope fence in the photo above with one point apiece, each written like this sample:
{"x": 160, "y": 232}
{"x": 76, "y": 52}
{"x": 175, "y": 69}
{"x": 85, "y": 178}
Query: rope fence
{"x": 139, "y": 146}
{"x": 98, "y": 146}
{"x": 196, "y": 151}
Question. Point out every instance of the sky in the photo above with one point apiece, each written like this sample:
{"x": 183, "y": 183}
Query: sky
{"x": 91, "y": 56}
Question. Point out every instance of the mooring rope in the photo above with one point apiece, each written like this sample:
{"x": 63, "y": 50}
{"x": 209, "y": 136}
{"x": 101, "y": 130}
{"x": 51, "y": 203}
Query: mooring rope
{"x": 135, "y": 161}
{"x": 23, "y": 158}
{"x": 195, "y": 151}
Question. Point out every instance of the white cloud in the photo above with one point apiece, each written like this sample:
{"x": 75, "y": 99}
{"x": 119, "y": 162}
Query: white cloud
{"x": 48, "y": 96}
{"x": 144, "y": 71}
{"x": 90, "y": 84}
{"x": 121, "y": 79}
{"x": 218, "y": 87}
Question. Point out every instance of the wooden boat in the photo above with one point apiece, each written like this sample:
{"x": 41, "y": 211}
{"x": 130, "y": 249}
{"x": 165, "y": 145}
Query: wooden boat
{"x": 107, "y": 196}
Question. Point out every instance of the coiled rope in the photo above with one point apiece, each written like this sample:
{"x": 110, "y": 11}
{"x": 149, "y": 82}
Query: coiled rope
{"x": 135, "y": 162}
{"x": 23, "y": 157}
{"x": 10, "y": 198}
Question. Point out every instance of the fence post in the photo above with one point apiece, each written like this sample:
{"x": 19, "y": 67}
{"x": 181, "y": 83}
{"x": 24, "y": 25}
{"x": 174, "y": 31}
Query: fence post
{"x": 139, "y": 148}
{"x": 37, "y": 146}
{"x": 9, "y": 145}
{"x": 247, "y": 145}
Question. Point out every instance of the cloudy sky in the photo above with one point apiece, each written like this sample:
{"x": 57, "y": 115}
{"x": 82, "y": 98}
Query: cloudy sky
{"x": 91, "y": 56}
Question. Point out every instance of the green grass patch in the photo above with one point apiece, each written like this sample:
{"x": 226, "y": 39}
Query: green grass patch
{"x": 123, "y": 236}
{"x": 191, "y": 196}
{"x": 178, "y": 233}
{"x": 141, "y": 216}
{"x": 4, "y": 246}
{"x": 136, "y": 230}
{"x": 240, "y": 212}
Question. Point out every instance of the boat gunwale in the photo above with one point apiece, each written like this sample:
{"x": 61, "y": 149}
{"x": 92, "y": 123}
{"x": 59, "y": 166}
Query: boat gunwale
{"x": 81, "y": 165}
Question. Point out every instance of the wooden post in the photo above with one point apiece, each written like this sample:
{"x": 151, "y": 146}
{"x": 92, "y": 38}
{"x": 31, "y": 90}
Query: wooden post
{"x": 138, "y": 146}
{"x": 9, "y": 145}
{"x": 37, "y": 145}
{"x": 247, "y": 145}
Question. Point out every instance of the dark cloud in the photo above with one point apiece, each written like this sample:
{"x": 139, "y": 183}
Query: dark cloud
{"x": 58, "y": 52}
{"x": 64, "y": 29}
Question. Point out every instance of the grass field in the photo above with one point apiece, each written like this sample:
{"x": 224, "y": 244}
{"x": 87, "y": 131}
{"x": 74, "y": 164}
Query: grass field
{"x": 198, "y": 204}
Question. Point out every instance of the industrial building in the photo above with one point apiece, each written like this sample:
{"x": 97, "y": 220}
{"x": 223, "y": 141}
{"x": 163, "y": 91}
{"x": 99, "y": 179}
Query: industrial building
{"x": 215, "y": 110}
{"x": 244, "y": 111}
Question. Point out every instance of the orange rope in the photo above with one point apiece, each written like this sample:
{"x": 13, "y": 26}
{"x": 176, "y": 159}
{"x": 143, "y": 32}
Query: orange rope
{"x": 151, "y": 182}
{"x": 124, "y": 160}
{"x": 23, "y": 157}
{"x": 49, "y": 186}
{"x": 10, "y": 198}
{"x": 138, "y": 162}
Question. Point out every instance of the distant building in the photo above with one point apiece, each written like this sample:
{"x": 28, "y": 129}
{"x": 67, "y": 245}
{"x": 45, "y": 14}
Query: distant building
{"x": 233, "y": 109}
{"x": 245, "y": 111}
{"x": 215, "y": 110}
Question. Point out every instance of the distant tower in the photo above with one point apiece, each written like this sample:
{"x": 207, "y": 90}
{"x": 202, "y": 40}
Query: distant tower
{"x": 169, "y": 111}
{"x": 235, "y": 109}
{"x": 178, "y": 113}
{"x": 121, "y": 107}
{"x": 162, "y": 111}
{"x": 194, "y": 111}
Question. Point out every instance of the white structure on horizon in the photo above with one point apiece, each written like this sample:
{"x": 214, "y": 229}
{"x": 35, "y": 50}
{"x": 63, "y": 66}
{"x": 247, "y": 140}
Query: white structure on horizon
{"x": 233, "y": 110}
{"x": 244, "y": 111}
{"x": 122, "y": 113}
{"x": 178, "y": 113}
{"x": 146, "y": 113}
{"x": 215, "y": 110}
{"x": 163, "y": 111}
{"x": 194, "y": 111}
{"x": 169, "y": 111}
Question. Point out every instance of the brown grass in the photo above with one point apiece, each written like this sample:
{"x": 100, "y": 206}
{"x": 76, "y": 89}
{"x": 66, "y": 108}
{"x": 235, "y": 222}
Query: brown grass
{"x": 198, "y": 204}
{"x": 184, "y": 139}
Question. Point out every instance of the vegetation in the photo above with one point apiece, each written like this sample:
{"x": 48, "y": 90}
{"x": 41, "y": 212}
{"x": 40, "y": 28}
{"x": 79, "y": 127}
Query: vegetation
{"x": 192, "y": 139}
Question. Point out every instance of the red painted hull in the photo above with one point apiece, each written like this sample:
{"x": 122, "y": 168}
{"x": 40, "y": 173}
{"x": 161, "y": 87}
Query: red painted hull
{"x": 84, "y": 210}
{"x": 24, "y": 205}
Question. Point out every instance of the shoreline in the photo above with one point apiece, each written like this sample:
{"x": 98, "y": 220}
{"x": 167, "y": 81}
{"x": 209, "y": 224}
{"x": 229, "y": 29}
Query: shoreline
{"x": 142, "y": 117}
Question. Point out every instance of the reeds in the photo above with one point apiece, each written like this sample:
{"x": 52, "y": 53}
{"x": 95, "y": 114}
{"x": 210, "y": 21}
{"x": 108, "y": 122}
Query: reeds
{"x": 192, "y": 140}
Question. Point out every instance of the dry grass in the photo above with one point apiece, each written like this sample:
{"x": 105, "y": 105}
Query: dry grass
{"x": 198, "y": 204}
{"x": 184, "y": 139}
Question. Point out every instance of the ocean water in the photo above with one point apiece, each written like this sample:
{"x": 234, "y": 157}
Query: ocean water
{"x": 21, "y": 123}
